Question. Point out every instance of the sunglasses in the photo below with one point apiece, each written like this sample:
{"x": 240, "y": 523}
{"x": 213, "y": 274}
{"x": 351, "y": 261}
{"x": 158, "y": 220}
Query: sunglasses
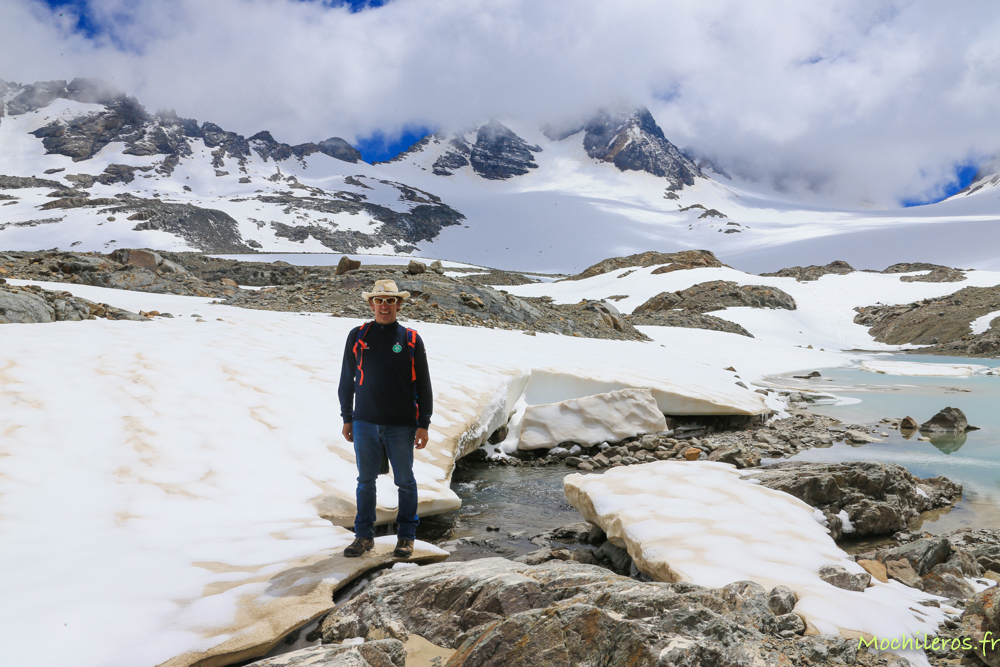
{"x": 379, "y": 300}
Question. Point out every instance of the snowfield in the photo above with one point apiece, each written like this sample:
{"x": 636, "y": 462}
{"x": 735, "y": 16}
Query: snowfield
{"x": 169, "y": 486}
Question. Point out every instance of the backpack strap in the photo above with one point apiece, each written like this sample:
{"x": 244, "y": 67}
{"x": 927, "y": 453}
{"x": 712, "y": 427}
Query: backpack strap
{"x": 359, "y": 342}
{"x": 411, "y": 344}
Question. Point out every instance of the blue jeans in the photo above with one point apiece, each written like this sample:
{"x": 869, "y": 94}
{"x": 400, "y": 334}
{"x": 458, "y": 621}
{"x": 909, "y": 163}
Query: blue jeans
{"x": 397, "y": 441}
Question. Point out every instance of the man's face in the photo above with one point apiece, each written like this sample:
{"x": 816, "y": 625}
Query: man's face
{"x": 385, "y": 312}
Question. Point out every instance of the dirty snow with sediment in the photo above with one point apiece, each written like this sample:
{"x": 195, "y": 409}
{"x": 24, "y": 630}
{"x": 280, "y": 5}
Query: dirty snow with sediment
{"x": 702, "y": 523}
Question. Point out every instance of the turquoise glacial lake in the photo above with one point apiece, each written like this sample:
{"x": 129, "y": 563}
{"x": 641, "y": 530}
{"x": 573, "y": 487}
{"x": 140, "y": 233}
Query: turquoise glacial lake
{"x": 972, "y": 459}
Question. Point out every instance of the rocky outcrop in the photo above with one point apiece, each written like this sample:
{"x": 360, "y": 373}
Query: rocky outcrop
{"x": 807, "y": 273}
{"x": 31, "y": 304}
{"x": 499, "y": 154}
{"x": 673, "y": 261}
{"x": 940, "y": 564}
{"x": 401, "y": 229}
{"x": 718, "y": 295}
{"x": 124, "y": 120}
{"x": 981, "y": 624}
{"x": 19, "y": 182}
{"x": 938, "y": 275}
{"x": 632, "y": 141}
{"x": 943, "y": 322}
{"x": 877, "y": 498}
{"x": 687, "y": 320}
{"x": 566, "y": 613}
{"x": 376, "y": 653}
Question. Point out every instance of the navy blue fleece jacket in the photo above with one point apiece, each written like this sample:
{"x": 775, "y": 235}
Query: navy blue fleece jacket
{"x": 384, "y": 393}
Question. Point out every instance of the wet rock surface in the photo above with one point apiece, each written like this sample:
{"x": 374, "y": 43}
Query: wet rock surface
{"x": 877, "y": 498}
{"x": 494, "y": 611}
{"x": 943, "y": 323}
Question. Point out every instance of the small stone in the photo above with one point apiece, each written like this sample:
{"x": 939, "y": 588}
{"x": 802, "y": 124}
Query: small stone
{"x": 837, "y": 575}
{"x": 875, "y": 568}
{"x": 691, "y": 453}
{"x": 789, "y": 625}
{"x": 781, "y": 600}
{"x": 415, "y": 267}
{"x": 902, "y": 571}
{"x": 229, "y": 282}
{"x": 908, "y": 424}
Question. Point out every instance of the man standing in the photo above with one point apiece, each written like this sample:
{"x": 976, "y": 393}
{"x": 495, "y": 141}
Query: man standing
{"x": 385, "y": 400}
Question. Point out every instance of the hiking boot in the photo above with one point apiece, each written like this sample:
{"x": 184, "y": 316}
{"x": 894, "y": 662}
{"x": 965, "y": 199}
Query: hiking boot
{"x": 359, "y": 546}
{"x": 404, "y": 548}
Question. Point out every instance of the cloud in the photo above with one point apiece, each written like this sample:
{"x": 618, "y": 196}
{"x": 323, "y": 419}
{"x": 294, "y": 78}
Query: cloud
{"x": 850, "y": 99}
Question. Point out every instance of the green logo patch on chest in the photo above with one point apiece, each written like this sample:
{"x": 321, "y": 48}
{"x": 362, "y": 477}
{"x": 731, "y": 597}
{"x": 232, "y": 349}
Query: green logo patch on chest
{"x": 397, "y": 348}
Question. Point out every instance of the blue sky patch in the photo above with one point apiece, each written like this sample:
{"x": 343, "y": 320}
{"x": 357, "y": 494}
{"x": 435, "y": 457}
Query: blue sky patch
{"x": 964, "y": 173}
{"x": 379, "y": 147}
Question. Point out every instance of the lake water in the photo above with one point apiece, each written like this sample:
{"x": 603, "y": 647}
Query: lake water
{"x": 972, "y": 459}
{"x": 532, "y": 499}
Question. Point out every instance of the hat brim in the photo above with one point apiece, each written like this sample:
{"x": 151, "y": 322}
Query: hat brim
{"x": 403, "y": 296}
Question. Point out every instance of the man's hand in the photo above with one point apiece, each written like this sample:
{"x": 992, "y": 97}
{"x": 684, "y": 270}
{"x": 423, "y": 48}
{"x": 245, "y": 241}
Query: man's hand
{"x": 349, "y": 432}
{"x": 420, "y": 441}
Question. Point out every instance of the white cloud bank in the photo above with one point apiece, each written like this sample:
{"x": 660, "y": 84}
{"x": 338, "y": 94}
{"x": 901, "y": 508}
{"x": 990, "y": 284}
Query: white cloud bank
{"x": 856, "y": 98}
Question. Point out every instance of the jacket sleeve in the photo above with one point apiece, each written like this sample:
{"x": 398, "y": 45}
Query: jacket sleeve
{"x": 425, "y": 396}
{"x": 347, "y": 370}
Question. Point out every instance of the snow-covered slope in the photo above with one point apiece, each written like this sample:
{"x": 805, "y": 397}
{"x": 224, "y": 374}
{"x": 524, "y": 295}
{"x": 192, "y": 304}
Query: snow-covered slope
{"x": 502, "y": 194}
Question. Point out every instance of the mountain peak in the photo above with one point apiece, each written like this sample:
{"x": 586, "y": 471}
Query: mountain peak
{"x": 632, "y": 141}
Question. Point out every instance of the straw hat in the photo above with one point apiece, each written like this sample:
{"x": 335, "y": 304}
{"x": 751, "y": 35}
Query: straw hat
{"x": 385, "y": 288}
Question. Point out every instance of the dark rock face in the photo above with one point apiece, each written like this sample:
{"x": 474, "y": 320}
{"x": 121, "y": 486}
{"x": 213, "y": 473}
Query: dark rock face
{"x": 375, "y": 653}
{"x": 807, "y": 273}
{"x": 495, "y": 612}
{"x": 879, "y": 498}
{"x": 943, "y": 322}
{"x": 456, "y": 157}
{"x": 632, "y": 141}
{"x": 718, "y": 295}
{"x": 499, "y": 154}
{"x": 399, "y": 228}
{"x": 674, "y": 261}
{"x": 19, "y": 182}
{"x": 124, "y": 119}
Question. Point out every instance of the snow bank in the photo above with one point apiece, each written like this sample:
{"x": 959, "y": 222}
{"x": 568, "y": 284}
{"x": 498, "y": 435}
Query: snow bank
{"x": 701, "y": 522}
{"x": 982, "y": 324}
{"x": 917, "y": 369}
{"x": 591, "y": 420}
{"x": 163, "y": 480}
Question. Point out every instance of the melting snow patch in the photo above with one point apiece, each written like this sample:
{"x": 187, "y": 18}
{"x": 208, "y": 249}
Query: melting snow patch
{"x": 700, "y": 522}
{"x": 914, "y": 368}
